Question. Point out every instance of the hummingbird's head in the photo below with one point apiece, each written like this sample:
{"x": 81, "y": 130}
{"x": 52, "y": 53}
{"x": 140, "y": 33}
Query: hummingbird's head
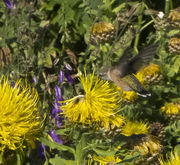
{"x": 103, "y": 73}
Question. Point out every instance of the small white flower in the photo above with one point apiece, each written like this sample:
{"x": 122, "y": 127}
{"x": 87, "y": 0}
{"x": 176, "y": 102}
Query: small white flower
{"x": 161, "y": 15}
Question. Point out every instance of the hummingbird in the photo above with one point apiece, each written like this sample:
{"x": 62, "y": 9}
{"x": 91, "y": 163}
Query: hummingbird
{"x": 122, "y": 73}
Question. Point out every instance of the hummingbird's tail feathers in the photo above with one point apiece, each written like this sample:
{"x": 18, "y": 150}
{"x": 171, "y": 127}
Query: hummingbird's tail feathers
{"x": 144, "y": 93}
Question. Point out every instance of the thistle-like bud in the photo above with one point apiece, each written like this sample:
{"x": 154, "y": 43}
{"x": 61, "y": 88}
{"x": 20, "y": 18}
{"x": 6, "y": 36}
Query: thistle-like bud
{"x": 150, "y": 149}
{"x": 112, "y": 131}
{"x": 174, "y": 45}
{"x": 150, "y": 74}
{"x": 161, "y": 22}
{"x": 174, "y": 17}
{"x": 102, "y": 32}
{"x": 157, "y": 129}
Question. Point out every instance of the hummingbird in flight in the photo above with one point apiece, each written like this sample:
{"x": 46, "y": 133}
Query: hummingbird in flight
{"x": 122, "y": 73}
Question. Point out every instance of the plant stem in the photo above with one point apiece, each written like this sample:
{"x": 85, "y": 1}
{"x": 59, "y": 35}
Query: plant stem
{"x": 146, "y": 25}
{"x": 166, "y": 9}
{"x": 171, "y": 4}
{"x": 1, "y": 157}
{"x": 139, "y": 26}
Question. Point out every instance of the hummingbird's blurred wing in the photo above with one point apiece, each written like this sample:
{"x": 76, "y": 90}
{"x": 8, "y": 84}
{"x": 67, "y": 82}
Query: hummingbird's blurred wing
{"x": 143, "y": 58}
{"x": 128, "y": 64}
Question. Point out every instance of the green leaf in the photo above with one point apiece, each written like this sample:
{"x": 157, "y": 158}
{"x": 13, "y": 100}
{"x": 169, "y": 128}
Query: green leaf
{"x": 176, "y": 65}
{"x": 44, "y": 23}
{"x": 48, "y": 61}
{"x": 61, "y": 131}
{"x": 60, "y": 161}
{"x": 81, "y": 150}
{"x": 104, "y": 152}
{"x": 57, "y": 146}
{"x": 117, "y": 9}
{"x": 128, "y": 160}
{"x": 173, "y": 33}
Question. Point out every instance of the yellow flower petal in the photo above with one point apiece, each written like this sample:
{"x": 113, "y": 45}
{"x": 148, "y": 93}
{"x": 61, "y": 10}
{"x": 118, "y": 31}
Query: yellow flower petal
{"x": 19, "y": 119}
{"x": 171, "y": 108}
{"x": 174, "y": 159}
{"x": 106, "y": 159}
{"x": 96, "y": 106}
{"x": 134, "y": 128}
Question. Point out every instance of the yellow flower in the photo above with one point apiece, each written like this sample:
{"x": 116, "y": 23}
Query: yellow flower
{"x": 149, "y": 145}
{"x": 19, "y": 121}
{"x": 171, "y": 108}
{"x": 96, "y": 106}
{"x": 149, "y": 74}
{"x": 173, "y": 160}
{"x": 125, "y": 96}
{"x": 134, "y": 128}
{"x": 102, "y": 27}
{"x": 106, "y": 160}
{"x": 129, "y": 96}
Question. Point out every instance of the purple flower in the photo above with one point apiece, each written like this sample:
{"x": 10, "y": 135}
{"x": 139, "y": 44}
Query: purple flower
{"x": 58, "y": 121}
{"x": 58, "y": 93}
{"x": 55, "y": 137}
{"x": 41, "y": 150}
{"x": 61, "y": 76}
{"x": 56, "y": 105}
{"x": 8, "y": 4}
{"x": 55, "y": 110}
{"x": 68, "y": 67}
{"x": 69, "y": 78}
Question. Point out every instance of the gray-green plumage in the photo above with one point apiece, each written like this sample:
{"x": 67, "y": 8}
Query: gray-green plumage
{"x": 122, "y": 73}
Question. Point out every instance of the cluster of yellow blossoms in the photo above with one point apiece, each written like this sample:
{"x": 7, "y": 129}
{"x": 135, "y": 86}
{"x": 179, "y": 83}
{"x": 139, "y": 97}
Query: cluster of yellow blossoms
{"x": 98, "y": 106}
{"x": 172, "y": 108}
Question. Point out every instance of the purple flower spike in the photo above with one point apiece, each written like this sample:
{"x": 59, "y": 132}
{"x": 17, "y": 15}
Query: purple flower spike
{"x": 61, "y": 76}
{"x": 58, "y": 93}
{"x": 55, "y": 110}
{"x": 58, "y": 121}
{"x": 55, "y": 137}
{"x": 69, "y": 78}
{"x": 41, "y": 150}
{"x": 8, "y": 4}
{"x": 68, "y": 67}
